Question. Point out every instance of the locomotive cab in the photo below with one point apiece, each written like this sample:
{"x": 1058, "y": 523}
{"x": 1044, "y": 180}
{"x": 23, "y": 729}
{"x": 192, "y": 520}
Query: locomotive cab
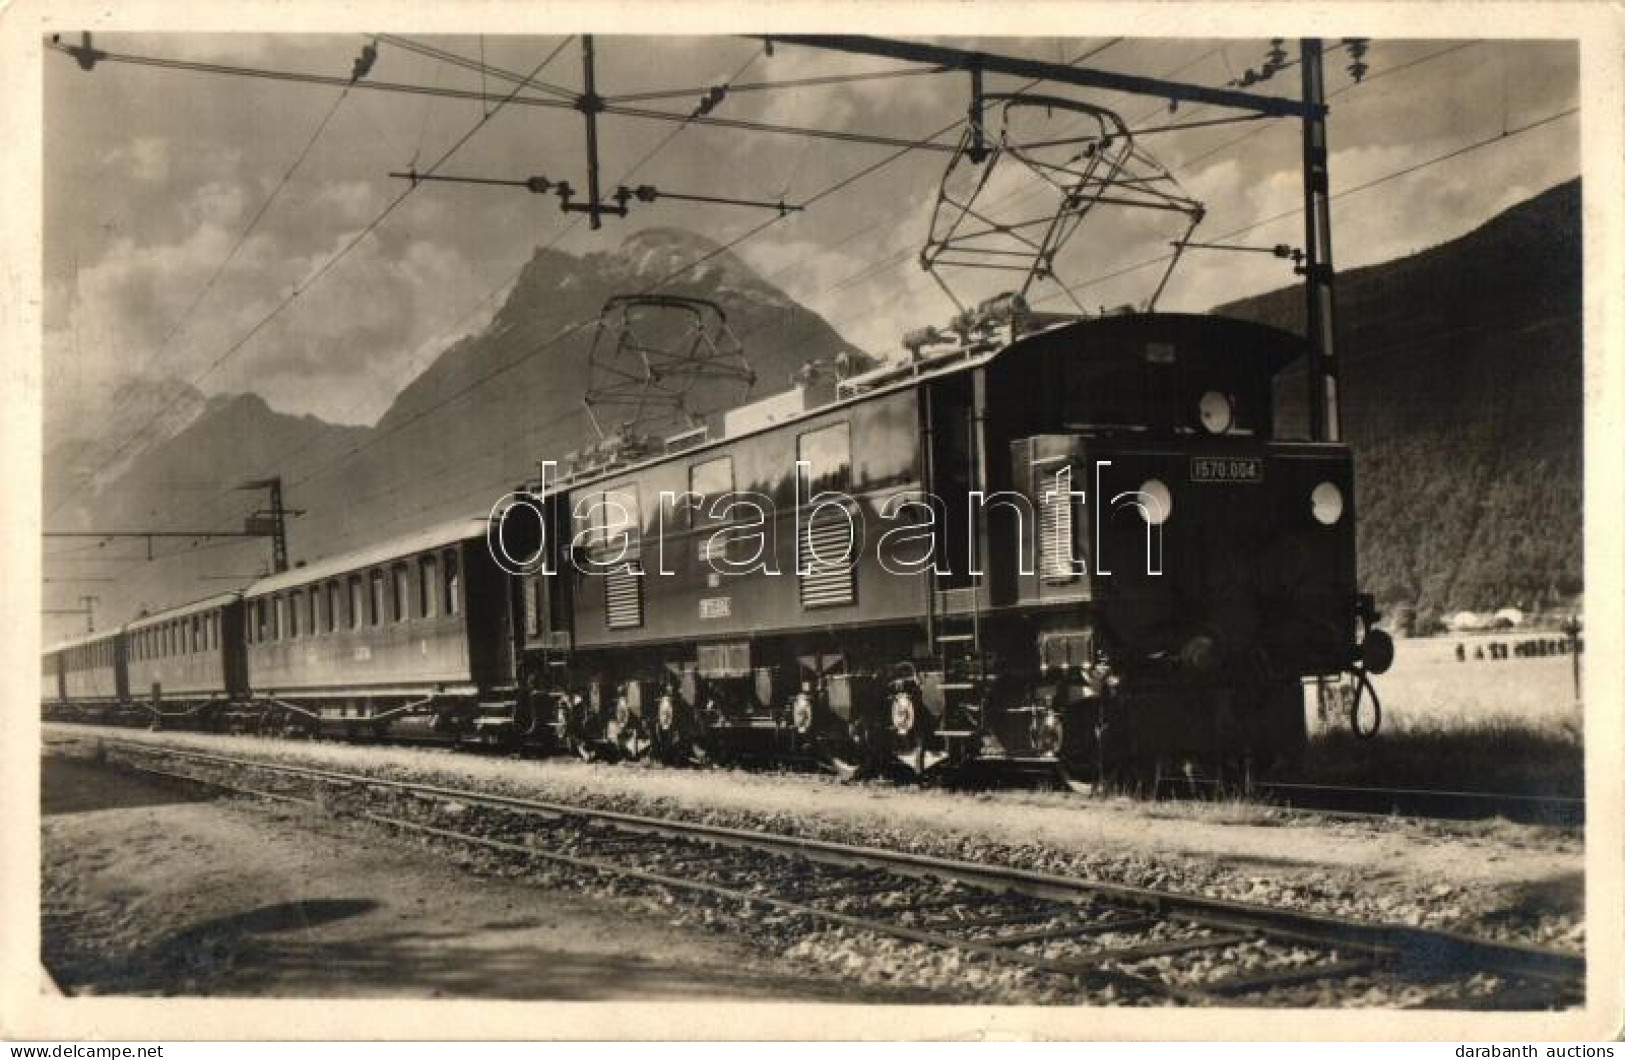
{"x": 1185, "y": 566}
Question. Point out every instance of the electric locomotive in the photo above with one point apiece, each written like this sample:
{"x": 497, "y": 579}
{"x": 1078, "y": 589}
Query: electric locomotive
{"x": 1042, "y": 541}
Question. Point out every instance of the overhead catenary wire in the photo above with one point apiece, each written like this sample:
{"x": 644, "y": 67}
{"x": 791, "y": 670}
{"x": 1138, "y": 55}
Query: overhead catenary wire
{"x": 1343, "y": 193}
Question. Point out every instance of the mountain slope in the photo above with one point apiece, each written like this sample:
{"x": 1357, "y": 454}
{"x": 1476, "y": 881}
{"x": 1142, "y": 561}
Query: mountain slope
{"x": 1462, "y": 388}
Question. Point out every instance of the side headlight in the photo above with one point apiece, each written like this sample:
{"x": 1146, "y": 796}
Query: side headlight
{"x": 1218, "y": 412}
{"x": 1326, "y": 502}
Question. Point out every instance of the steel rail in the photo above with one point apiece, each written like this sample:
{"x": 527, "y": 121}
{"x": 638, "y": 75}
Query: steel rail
{"x": 1395, "y": 945}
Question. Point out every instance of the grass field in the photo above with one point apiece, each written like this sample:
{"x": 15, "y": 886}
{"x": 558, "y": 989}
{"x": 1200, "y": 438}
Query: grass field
{"x": 1511, "y": 725}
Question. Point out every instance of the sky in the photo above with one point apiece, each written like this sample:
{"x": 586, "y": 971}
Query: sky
{"x": 153, "y": 175}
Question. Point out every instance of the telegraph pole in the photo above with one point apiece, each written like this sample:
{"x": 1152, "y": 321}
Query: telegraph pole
{"x": 271, "y": 521}
{"x": 1324, "y": 419}
{"x": 87, "y": 607}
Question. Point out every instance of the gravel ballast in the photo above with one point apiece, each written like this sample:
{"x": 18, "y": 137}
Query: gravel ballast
{"x": 1493, "y": 879}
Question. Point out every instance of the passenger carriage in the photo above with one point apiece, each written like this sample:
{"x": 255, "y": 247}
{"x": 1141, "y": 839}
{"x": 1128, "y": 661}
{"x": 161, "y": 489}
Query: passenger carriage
{"x": 409, "y": 637}
{"x": 92, "y": 683}
{"x": 185, "y": 665}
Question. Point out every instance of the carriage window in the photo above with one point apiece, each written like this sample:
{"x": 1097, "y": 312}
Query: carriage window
{"x": 828, "y": 454}
{"x": 375, "y": 599}
{"x": 427, "y": 589}
{"x": 313, "y": 610}
{"x": 332, "y": 607}
{"x": 402, "y": 596}
{"x": 196, "y": 635}
{"x": 356, "y": 601}
{"x": 294, "y": 603}
{"x": 453, "y": 582}
{"x": 281, "y": 618}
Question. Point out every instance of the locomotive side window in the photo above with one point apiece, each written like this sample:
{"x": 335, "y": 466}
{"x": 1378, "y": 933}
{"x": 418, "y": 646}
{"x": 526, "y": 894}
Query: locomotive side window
{"x": 357, "y": 601}
{"x": 823, "y": 536}
{"x": 711, "y": 480}
{"x": 428, "y": 590}
{"x": 400, "y": 599}
{"x": 453, "y": 582}
{"x": 828, "y": 455}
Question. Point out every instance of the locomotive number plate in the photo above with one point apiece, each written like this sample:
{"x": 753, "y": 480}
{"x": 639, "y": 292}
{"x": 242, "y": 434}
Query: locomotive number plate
{"x": 1246, "y": 469}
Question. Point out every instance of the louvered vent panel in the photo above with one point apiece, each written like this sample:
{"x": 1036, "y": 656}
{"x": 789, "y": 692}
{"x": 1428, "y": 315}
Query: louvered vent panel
{"x": 1055, "y": 532}
{"x": 825, "y": 544}
{"x": 623, "y": 598}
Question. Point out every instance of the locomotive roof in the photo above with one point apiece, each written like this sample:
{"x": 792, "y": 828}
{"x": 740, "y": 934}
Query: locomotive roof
{"x": 461, "y": 529}
{"x": 1277, "y": 352}
{"x": 208, "y": 603}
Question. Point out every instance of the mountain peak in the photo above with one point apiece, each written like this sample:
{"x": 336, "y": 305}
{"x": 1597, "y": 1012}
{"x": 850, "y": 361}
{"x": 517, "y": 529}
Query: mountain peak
{"x": 686, "y": 262}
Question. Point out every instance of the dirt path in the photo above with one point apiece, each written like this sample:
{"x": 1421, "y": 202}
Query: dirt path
{"x": 152, "y": 888}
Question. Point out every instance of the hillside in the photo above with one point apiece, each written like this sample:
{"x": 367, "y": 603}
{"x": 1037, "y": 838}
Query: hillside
{"x": 1462, "y": 387}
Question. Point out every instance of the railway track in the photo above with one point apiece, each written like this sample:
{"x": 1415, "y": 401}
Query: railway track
{"x": 1114, "y": 943}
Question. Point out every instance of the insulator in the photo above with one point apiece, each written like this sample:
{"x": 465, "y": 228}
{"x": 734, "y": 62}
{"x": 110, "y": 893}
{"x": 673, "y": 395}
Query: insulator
{"x": 538, "y": 185}
{"x": 364, "y": 62}
{"x": 85, "y": 55}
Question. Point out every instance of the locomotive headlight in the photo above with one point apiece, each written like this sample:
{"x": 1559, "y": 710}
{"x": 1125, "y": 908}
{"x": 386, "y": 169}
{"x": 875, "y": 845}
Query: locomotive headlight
{"x": 1326, "y": 502}
{"x": 1156, "y": 503}
{"x": 902, "y": 713}
{"x": 1217, "y": 411}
